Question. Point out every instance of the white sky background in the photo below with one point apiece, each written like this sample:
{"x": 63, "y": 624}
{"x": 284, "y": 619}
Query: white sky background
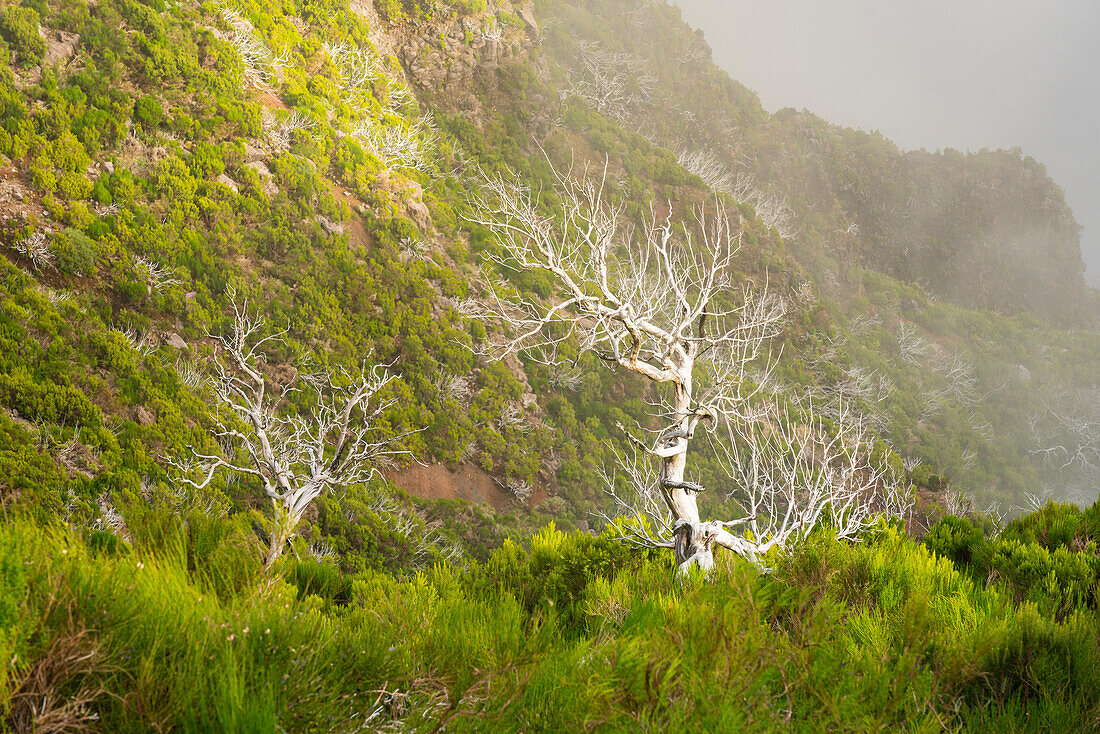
{"x": 965, "y": 74}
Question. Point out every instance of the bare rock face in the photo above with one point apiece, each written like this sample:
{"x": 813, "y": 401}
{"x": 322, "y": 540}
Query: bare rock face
{"x": 144, "y": 417}
{"x": 229, "y": 183}
{"x": 60, "y": 47}
{"x": 252, "y": 154}
{"x": 527, "y": 15}
{"x": 176, "y": 341}
{"x": 265, "y": 174}
{"x": 469, "y": 483}
{"x": 448, "y": 55}
{"x": 259, "y": 167}
{"x": 420, "y": 215}
{"x": 331, "y": 228}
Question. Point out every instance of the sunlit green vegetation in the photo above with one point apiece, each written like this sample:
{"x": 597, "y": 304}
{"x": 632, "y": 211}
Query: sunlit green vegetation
{"x": 181, "y": 632}
{"x": 180, "y": 152}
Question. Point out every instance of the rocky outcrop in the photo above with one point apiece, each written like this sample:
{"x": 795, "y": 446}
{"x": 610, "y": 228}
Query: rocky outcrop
{"x": 60, "y": 46}
{"x": 448, "y": 53}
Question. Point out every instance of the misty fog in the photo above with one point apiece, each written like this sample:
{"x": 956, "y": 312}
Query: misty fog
{"x": 966, "y": 75}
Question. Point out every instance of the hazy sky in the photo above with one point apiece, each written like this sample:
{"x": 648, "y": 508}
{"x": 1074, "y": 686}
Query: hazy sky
{"x": 965, "y": 74}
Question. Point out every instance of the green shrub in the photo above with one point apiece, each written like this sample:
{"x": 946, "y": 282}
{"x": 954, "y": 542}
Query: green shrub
{"x": 473, "y": 7}
{"x": 509, "y": 19}
{"x": 45, "y": 400}
{"x": 1054, "y": 525}
{"x": 321, "y": 579}
{"x": 19, "y": 26}
{"x": 77, "y": 253}
{"x": 391, "y": 10}
{"x": 148, "y": 112}
{"x": 955, "y": 538}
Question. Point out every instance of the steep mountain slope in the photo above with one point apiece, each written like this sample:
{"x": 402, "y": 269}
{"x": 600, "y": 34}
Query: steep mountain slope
{"x": 319, "y": 161}
{"x": 321, "y": 164}
{"x": 985, "y": 230}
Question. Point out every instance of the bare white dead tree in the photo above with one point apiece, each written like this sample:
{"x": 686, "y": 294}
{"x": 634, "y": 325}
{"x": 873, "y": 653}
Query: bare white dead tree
{"x": 157, "y": 277}
{"x": 712, "y": 170}
{"x": 862, "y": 324}
{"x": 692, "y": 55}
{"x": 997, "y": 518}
{"x": 358, "y": 67}
{"x": 866, "y": 385}
{"x": 280, "y": 132}
{"x": 1036, "y": 501}
{"x": 804, "y": 296}
{"x": 957, "y": 504}
{"x": 36, "y": 248}
{"x": 771, "y": 208}
{"x": 1065, "y": 440}
{"x": 609, "y": 82}
{"x": 192, "y": 374}
{"x": 261, "y": 66}
{"x": 141, "y": 341}
{"x": 425, "y": 540}
{"x": 520, "y": 489}
{"x": 855, "y": 384}
{"x": 401, "y": 144}
{"x": 913, "y": 347}
{"x": 657, "y": 301}
{"x": 492, "y": 33}
{"x": 321, "y": 550}
{"x": 110, "y": 520}
{"x": 565, "y": 377}
{"x": 958, "y": 372}
{"x": 55, "y": 297}
{"x": 512, "y": 415}
{"x": 295, "y": 456}
{"x": 790, "y": 474}
{"x": 790, "y": 470}
{"x": 458, "y": 388}
{"x": 933, "y": 401}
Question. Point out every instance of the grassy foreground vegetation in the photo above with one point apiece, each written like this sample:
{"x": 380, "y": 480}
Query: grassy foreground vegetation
{"x": 182, "y": 631}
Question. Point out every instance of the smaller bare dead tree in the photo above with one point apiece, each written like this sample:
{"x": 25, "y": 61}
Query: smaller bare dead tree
{"x": 771, "y": 208}
{"x": 280, "y": 133}
{"x": 158, "y": 278}
{"x": 358, "y": 67}
{"x": 611, "y": 83}
{"x": 296, "y": 456}
{"x": 36, "y": 248}
{"x": 401, "y": 145}
{"x": 1065, "y": 440}
{"x": 790, "y": 473}
{"x": 261, "y": 67}
{"x": 709, "y": 167}
{"x": 913, "y": 347}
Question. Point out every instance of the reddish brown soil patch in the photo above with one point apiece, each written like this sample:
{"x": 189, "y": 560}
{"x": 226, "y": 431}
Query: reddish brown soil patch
{"x": 268, "y": 99}
{"x": 470, "y": 483}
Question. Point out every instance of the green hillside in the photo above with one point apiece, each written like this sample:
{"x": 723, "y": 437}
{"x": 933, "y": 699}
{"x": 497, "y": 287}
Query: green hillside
{"x": 322, "y": 171}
